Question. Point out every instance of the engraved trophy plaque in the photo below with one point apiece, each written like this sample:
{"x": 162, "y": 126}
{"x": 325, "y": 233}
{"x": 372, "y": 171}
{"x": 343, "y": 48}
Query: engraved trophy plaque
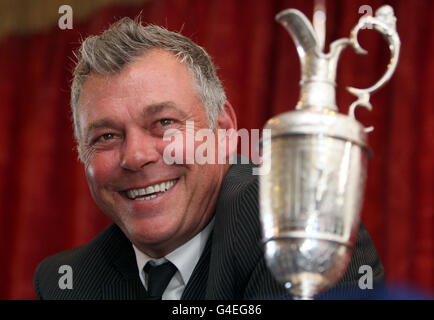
{"x": 310, "y": 201}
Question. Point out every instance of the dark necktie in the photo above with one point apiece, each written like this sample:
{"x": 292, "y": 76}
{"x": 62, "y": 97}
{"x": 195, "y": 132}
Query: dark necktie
{"x": 158, "y": 278}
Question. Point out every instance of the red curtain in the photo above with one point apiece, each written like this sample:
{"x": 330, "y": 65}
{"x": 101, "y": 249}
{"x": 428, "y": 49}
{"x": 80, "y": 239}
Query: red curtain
{"x": 45, "y": 205}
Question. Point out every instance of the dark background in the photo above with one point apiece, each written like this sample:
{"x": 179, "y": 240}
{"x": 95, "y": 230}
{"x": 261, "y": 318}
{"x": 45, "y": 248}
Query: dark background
{"x": 45, "y": 205}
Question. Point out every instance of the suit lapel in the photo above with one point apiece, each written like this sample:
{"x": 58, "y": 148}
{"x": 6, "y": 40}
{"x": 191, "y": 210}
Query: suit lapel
{"x": 126, "y": 285}
{"x": 124, "y": 290}
{"x": 196, "y": 286}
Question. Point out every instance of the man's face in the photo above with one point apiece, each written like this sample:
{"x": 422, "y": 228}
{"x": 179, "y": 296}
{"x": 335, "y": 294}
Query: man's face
{"x": 122, "y": 119}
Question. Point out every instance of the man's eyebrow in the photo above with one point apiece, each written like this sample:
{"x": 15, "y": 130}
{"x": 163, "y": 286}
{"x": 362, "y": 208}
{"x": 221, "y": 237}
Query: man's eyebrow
{"x": 155, "y": 108}
{"x": 100, "y": 123}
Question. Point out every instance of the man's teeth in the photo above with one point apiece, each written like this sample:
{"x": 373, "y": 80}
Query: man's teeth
{"x": 147, "y": 193}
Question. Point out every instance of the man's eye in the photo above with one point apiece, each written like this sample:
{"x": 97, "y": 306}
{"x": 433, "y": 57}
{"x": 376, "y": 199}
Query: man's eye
{"x": 104, "y": 137}
{"x": 166, "y": 122}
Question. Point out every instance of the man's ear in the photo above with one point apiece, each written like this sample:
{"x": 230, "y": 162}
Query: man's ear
{"x": 227, "y": 119}
{"x": 227, "y": 131}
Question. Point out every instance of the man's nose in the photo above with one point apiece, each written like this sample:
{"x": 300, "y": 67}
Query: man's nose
{"x": 139, "y": 149}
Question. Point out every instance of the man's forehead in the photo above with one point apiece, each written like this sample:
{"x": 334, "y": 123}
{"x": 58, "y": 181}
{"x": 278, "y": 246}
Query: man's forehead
{"x": 159, "y": 107}
{"x": 136, "y": 76}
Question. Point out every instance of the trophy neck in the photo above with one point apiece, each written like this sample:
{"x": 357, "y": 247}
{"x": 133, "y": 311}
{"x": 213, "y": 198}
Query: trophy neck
{"x": 318, "y": 70}
{"x": 318, "y": 81}
{"x": 318, "y": 86}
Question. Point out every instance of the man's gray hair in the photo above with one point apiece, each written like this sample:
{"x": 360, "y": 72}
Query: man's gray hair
{"x": 127, "y": 40}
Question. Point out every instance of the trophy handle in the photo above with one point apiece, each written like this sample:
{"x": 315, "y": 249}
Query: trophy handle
{"x": 385, "y": 23}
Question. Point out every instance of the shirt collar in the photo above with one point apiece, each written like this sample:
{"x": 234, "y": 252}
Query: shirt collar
{"x": 184, "y": 257}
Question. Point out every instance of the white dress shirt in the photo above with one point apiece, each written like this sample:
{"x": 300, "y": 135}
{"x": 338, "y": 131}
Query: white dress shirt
{"x": 184, "y": 258}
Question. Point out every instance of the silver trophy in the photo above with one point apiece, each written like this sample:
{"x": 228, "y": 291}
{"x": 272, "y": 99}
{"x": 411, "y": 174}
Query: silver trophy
{"x": 310, "y": 201}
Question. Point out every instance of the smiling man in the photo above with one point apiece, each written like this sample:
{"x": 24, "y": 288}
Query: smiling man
{"x": 180, "y": 231}
{"x": 122, "y": 120}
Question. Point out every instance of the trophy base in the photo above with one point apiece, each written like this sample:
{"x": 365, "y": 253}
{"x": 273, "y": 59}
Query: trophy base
{"x": 305, "y": 285}
{"x": 307, "y": 266}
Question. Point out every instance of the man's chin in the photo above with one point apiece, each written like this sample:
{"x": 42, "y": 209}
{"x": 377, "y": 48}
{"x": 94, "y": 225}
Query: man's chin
{"x": 155, "y": 237}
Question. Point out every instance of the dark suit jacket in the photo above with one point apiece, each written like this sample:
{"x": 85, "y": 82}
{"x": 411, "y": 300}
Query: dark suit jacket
{"x": 232, "y": 265}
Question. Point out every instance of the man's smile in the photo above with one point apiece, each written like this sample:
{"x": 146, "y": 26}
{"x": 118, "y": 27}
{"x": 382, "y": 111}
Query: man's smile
{"x": 149, "y": 192}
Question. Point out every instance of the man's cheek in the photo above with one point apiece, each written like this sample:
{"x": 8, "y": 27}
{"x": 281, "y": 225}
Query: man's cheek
{"x": 104, "y": 163}
{"x": 177, "y": 148}
{"x": 97, "y": 177}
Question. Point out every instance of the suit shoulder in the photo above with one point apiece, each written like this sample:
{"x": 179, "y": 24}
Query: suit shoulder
{"x": 238, "y": 203}
{"x": 239, "y": 181}
{"x": 94, "y": 253}
{"x": 77, "y": 254}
